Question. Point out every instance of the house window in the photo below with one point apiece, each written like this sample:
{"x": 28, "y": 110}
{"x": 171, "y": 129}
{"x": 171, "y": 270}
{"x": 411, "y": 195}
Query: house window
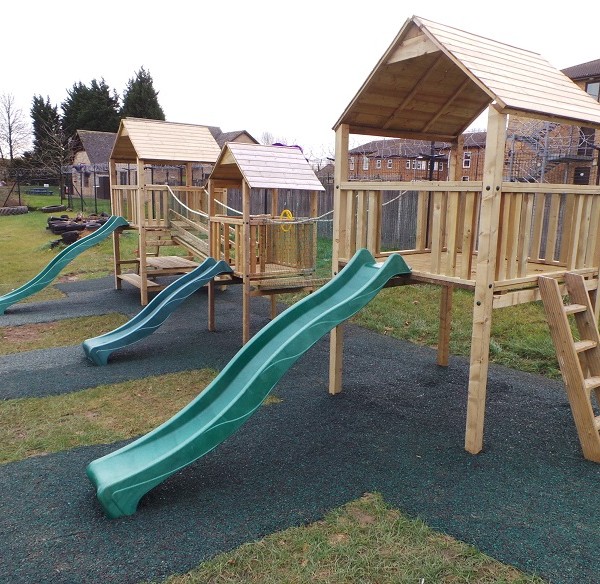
{"x": 86, "y": 179}
{"x": 408, "y": 165}
{"x": 586, "y": 142}
{"x": 390, "y": 163}
{"x": 594, "y": 89}
{"x": 365, "y": 163}
{"x": 438, "y": 166}
{"x": 465, "y": 178}
{"x": 466, "y": 160}
{"x": 421, "y": 164}
{"x": 378, "y": 163}
{"x": 582, "y": 175}
{"x": 352, "y": 163}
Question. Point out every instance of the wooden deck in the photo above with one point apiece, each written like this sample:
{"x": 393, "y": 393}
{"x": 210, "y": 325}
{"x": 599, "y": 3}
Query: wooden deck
{"x": 506, "y": 292}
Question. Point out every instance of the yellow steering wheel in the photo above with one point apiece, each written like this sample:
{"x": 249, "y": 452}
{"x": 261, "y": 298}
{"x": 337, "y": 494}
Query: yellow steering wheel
{"x": 286, "y": 215}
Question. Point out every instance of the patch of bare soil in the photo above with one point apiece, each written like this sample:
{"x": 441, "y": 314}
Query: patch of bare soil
{"x": 26, "y": 332}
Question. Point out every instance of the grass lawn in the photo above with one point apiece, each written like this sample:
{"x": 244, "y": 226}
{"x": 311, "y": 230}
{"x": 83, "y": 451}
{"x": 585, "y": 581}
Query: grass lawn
{"x": 365, "y": 541}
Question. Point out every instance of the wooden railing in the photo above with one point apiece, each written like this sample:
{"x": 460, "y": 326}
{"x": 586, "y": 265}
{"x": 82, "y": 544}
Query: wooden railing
{"x": 553, "y": 225}
{"x": 275, "y": 250}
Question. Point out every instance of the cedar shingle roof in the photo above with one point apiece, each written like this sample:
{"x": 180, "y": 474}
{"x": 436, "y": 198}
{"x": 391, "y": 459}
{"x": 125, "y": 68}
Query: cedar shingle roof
{"x": 156, "y": 141}
{"x": 435, "y": 80}
{"x": 271, "y": 167}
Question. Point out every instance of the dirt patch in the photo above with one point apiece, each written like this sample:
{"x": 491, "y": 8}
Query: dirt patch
{"x": 26, "y": 332}
{"x": 68, "y": 278}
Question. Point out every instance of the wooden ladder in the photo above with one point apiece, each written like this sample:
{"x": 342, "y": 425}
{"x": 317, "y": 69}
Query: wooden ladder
{"x": 579, "y": 360}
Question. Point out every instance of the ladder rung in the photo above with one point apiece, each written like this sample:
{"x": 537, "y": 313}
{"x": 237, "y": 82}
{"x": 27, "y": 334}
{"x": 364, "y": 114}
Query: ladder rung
{"x": 575, "y": 308}
{"x": 591, "y": 383}
{"x": 581, "y": 346}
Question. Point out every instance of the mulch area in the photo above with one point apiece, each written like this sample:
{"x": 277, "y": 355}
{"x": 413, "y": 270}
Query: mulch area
{"x": 398, "y": 428}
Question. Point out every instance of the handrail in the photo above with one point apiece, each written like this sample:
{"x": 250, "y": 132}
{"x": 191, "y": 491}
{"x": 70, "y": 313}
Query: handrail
{"x": 200, "y": 213}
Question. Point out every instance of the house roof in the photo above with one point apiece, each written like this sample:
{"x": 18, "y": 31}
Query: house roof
{"x": 583, "y": 71}
{"x": 163, "y": 142}
{"x": 98, "y": 145}
{"x": 223, "y": 137}
{"x": 274, "y": 167}
{"x": 434, "y": 81}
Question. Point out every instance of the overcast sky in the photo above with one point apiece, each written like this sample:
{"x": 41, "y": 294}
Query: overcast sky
{"x": 283, "y": 67}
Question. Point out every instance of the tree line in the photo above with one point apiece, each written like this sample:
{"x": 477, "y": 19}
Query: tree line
{"x": 87, "y": 107}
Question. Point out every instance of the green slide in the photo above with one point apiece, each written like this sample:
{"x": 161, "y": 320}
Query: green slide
{"x": 52, "y": 270}
{"x": 122, "y": 477}
{"x": 98, "y": 349}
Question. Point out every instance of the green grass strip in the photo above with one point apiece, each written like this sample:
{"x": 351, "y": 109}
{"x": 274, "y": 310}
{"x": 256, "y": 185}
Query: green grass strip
{"x": 104, "y": 414}
{"x": 28, "y": 337}
{"x": 363, "y": 542}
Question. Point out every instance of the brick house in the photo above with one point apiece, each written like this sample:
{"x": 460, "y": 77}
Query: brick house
{"x": 414, "y": 160}
{"x": 536, "y": 151}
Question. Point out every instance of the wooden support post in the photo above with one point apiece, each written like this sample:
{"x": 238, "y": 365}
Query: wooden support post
{"x": 115, "y": 205}
{"x": 336, "y": 338}
{"x": 484, "y": 280}
{"x": 141, "y": 208}
{"x": 211, "y": 306}
{"x": 247, "y": 249}
{"x": 273, "y": 306}
{"x": 443, "y": 352}
{"x": 117, "y": 257}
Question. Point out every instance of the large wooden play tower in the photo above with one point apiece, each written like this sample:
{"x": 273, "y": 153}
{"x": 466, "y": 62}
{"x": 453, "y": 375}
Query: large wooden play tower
{"x": 493, "y": 237}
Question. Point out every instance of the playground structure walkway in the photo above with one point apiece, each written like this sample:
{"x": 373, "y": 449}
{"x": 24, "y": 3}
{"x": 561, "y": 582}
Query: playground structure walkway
{"x": 397, "y": 428}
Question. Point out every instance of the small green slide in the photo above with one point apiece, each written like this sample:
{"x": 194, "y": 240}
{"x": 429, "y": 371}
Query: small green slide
{"x": 98, "y": 349}
{"x": 47, "y": 275}
{"x": 122, "y": 477}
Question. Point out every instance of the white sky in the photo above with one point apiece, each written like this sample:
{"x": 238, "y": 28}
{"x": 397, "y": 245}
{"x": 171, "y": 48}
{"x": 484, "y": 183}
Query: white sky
{"x": 288, "y": 68}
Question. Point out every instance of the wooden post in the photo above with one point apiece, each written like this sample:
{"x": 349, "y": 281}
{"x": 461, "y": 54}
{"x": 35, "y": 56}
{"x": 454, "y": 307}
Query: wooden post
{"x": 336, "y": 338}
{"x": 115, "y": 206}
{"x": 443, "y": 351}
{"x": 141, "y": 193}
{"x": 246, "y": 263}
{"x": 484, "y": 280}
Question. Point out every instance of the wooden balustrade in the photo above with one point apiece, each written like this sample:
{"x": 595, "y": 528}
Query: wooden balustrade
{"x": 551, "y": 225}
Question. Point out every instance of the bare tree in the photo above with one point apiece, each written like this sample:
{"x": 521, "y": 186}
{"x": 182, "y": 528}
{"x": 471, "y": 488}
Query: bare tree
{"x": 14, "y": 131}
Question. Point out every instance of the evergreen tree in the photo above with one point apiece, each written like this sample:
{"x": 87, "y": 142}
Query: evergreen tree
{"x": 90, "y": 108}
{"x": 140, "y": 100}
{"x": 46, "y": 126}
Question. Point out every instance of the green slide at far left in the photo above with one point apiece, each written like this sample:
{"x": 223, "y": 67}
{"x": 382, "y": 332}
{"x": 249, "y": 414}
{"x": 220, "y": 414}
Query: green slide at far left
{"x": 47, "y": 275}
{"x": 122, "y": 477}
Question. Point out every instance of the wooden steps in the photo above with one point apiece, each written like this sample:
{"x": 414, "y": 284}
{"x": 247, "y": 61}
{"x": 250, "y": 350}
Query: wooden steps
{"x": 579, "y": 360}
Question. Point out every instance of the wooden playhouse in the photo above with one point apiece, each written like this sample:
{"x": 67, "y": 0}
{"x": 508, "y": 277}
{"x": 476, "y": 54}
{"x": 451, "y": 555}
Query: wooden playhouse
{"x": 157, "y": 173}
{"x": 270, "y": 250}
{"x": 499, "y": 239}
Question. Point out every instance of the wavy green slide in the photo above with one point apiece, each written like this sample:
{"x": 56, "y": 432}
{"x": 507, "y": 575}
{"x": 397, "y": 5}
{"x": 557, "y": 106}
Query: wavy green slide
{"x": 98, "y": 349}
{"x": 52, "y": 270}
{"x": 122, "y": 477}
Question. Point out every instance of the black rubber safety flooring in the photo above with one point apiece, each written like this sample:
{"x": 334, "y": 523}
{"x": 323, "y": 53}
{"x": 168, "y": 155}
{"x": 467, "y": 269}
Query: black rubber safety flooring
{"x": 529, "y": 499}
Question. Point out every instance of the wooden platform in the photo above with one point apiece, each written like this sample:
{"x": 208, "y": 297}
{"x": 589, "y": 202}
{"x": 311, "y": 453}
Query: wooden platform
{"x": 506, "y": 292}
{"x": 163, "y": 265}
